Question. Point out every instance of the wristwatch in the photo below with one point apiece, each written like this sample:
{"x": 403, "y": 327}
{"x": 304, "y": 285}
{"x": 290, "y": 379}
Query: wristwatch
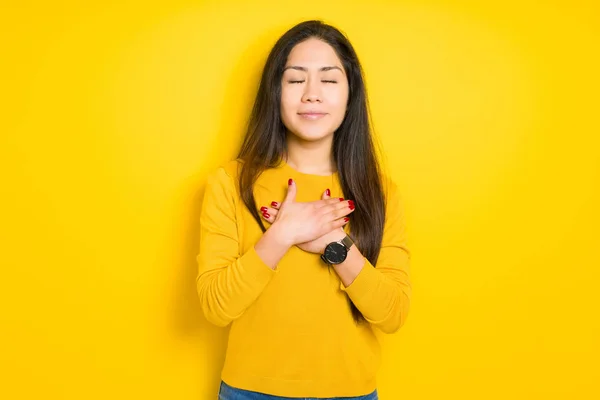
{"x": 336, "y": 252}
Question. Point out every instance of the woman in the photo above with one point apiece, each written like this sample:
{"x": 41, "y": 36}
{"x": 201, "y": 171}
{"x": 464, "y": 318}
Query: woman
{"x": 302, "y": 240}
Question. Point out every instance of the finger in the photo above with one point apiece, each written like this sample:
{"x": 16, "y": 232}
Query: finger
{"x": 275, "y": 205}
{"x": 326, "y": 194}
{"x": 328, "y": 202}
{"x": 269, "y": 210}
{"x": 269, "y": 214}
{"x": 338, "y": 210}
{"x": 291, "y": 193}
{"x": 273, "y": 212}
{"x": 269, "y": 218}
{"x": 338, "y": 223}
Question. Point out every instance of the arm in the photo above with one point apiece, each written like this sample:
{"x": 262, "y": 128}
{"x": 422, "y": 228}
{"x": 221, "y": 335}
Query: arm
{"x": 229, "y": 282}
{"x": 382, "y": 294}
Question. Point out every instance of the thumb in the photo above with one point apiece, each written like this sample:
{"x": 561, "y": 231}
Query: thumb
{"x": 291, "y": 193}
{"x": 326, "y": 194}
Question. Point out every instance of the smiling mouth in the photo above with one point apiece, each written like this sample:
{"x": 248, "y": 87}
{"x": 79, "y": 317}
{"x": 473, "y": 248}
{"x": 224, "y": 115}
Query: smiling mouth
{"x": 312, "y": 115}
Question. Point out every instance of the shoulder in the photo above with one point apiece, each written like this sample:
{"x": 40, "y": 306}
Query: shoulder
{"x": 389, "y": 186}
{"x": 392, "y": 193}
{"x": 225, "y": 175}
{"x": 230, "y": 169}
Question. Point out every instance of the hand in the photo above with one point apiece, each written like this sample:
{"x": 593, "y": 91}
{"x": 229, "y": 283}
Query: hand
{"x": 303, "y": 222}
{"x": 318, "y": 244}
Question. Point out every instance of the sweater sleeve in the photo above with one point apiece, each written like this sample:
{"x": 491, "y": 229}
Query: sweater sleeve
{"x": 227, "y": 282}
{"x": 382, "y": 292}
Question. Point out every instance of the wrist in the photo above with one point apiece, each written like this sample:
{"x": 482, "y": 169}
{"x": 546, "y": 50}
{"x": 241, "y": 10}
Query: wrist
{"x": 338, "y": 234}
{"x": 338, "y": 246}
{"x": 334, "y": 236}
{"x": 349, "y": 269}
{"x": 353, "y": 257}
{"x": 271, "y": 248}
{"x": 279, "y": 235}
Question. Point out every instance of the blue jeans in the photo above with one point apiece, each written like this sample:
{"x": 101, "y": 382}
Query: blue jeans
{"x": 227, "y": 392}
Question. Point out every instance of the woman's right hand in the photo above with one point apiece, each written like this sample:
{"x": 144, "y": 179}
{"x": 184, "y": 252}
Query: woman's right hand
{"x": 297, "y": 222}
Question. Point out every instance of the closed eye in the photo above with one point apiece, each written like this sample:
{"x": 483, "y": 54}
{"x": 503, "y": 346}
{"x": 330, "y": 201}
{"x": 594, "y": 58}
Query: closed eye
{"x": 324, "y": 81}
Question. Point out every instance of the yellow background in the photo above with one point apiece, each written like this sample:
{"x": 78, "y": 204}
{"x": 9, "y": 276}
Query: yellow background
{"x": 112, "y": 115}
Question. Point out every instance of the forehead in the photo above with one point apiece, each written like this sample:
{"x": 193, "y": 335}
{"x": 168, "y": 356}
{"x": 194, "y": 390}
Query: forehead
{"x": 313, "y": 53}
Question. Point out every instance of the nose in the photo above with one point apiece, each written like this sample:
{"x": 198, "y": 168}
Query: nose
{"x": 311, "y": 93}
{"x": 311, "y": 98}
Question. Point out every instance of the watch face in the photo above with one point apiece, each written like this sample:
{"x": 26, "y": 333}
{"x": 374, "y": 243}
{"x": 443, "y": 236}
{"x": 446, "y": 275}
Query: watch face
{"x": 335, "y": 253}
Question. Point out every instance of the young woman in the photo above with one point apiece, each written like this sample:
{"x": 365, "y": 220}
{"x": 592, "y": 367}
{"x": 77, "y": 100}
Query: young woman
{"x": 303, "y": 246}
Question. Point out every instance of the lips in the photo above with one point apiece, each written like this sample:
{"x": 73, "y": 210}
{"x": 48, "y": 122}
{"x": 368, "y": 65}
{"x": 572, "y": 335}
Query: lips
{"x": 312, "y": 115}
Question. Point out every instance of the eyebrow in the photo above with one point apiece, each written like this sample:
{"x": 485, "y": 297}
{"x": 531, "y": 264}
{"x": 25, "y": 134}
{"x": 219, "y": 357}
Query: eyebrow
{"x": 299, "y": 68}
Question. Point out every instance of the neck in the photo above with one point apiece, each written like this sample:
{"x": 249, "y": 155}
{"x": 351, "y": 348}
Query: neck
{"x": 310, "y": 157}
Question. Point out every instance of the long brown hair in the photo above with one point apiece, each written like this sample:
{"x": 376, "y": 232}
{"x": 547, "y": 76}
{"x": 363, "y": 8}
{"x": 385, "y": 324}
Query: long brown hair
{"x": 353, "y": 146}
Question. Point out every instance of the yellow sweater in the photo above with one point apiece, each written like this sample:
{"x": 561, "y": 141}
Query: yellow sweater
{"x": 292, "y": 332}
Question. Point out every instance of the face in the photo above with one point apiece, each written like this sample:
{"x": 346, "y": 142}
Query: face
{"x": 314, "y": 91}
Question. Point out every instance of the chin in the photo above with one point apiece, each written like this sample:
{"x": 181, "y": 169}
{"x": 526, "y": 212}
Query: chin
{"x": 311, "y": 135}
{"x": 312, "y": 131}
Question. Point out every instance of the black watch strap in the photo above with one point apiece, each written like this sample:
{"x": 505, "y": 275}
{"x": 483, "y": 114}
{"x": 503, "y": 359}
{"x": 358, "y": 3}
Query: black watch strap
{"x": 346, "y": 241}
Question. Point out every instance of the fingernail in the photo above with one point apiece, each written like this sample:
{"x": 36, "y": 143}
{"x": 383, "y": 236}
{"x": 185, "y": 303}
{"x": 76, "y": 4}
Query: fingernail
{"x": 290, "y": 181}
{"x": 274, "y": 203}
{"x": 341, "y": 199}
{"x": 266, "y": 215}
{"x": 351, "y": 204}
{"x": 327, "y": 192}
{"x": 346, "y": 219}
{"x": 263, "y": 209}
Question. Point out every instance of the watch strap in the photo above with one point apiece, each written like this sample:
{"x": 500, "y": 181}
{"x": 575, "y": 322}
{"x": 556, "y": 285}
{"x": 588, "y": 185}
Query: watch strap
{"x": 346, "y": 241}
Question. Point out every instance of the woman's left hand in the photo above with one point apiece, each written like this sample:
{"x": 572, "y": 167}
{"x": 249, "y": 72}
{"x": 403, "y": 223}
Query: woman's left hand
{"x": 314, "y": 246}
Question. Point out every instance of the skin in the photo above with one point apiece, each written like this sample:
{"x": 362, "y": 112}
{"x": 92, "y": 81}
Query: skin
{"x": 313, "y": 105}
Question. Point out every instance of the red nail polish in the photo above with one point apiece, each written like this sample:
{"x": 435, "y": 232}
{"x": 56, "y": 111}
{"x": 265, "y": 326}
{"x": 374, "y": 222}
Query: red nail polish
{"x": 263, "y": 209}
{"x": 341, "y": 199}
{"x": 266, "y": 215}
{"x": 351, "y": 204}
{"x": 346, "y": 219}
{"x": 327, "y": 192}
{"x": 290, "y": 181}
{"x": 274, "y": 204}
